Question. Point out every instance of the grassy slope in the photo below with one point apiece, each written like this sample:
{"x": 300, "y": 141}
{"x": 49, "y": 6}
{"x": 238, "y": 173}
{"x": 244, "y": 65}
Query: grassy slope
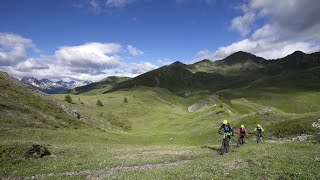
{"x": 155, "y": 120}
{"x": 98, "y": 87}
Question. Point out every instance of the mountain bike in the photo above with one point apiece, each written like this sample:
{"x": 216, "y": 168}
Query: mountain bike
{"x": 258, "y": 134}
{"x": 240, "y": 140}
{"x": 225, "y": 144}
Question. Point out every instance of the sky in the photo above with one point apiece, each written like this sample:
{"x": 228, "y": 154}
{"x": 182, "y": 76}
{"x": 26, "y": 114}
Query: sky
{"x": 92, "y": 39}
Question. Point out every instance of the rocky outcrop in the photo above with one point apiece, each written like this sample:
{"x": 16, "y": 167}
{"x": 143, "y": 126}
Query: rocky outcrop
{"x": 203, "y": 104}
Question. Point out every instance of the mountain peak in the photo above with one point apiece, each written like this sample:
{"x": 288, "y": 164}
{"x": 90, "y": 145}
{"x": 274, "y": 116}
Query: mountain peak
{"x": 178, "y": 63}
{"x": 239, "y": 57}
{"x": 48, "y": 86}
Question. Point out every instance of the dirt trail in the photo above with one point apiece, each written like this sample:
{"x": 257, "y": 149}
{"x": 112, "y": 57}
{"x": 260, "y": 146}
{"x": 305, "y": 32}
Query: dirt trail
{"x": 104, "y": 173}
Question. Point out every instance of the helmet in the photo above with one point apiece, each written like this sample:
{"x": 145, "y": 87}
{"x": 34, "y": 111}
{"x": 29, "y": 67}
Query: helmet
{"x": 242, "y": 126}
{"x": 258, "y": 125}
{"x": 225, "y": 121}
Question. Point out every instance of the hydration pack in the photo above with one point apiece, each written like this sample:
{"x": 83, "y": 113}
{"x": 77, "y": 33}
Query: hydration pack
{"x": 227, "y": 128}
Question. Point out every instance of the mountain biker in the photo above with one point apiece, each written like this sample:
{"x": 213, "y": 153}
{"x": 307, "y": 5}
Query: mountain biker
{"x": 242, "y": 131}
{"x": 228, "y": 131}
{"x": 259, "y": 130}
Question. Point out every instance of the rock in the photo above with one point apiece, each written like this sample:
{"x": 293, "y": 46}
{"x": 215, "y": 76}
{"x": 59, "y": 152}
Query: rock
{"x": 206, "y": 103}
{"x": 303, "y": 137}
{"x": 317, "y": 125}
{"x": 38, "y": 151}
{"x": 76, "y": 114}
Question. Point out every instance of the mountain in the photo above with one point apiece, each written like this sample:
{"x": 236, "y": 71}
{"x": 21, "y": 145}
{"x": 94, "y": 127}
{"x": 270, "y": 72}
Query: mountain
{"x": 51, "y": 87}
{"x": 98, "y": 87}
{"x": 240, "y": 69}
{"x": 123, "y": 134}
{"x": 174, "y": 77}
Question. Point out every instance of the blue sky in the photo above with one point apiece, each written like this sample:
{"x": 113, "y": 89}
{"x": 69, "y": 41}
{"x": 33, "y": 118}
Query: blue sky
{"x": 92, "y": 39}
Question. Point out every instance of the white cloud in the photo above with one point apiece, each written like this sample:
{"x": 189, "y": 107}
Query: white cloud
{"x": 101, "y": 6}
{"x": 288, "y": 27}
{"x": 90, "y": 61}
{"x": 165, "y": 61}
{"x": 31, "y": 64}
{"x": 95, "y": 5}
{"x": 13, "y": 49}
{"x": 118, "y": 3}
{"x": 134, "y": 51}
{"x": 243, "y": 23}
{"x": 92, "y": 54}
{"x": 142, "y": 67}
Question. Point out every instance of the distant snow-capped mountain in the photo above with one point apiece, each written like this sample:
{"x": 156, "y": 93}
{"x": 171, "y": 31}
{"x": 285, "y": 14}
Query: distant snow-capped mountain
{"x": 51, "y": 87}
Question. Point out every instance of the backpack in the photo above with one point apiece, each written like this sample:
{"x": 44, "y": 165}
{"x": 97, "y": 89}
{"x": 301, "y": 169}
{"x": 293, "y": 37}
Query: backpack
{"x": 227, "y": 128}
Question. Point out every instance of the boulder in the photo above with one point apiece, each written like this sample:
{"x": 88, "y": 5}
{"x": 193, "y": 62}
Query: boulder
{"x": 38, "y": 151}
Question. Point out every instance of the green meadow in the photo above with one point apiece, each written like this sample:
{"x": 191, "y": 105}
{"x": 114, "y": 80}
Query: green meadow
{"x": 148, "y": 133}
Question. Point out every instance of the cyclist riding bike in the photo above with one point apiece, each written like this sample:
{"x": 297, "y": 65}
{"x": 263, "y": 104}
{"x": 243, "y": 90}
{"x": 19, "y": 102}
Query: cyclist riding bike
{"x": 243, "y": 132}
{"x": 258, "y": 132}
{"x": 228, "y": 131}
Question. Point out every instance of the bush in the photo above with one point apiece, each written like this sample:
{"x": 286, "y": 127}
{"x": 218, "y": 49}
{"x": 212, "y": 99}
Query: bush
{"x": 68, "y": 98}
{"x": 290, "y": 128}
{"x": 125, "y": 100}
{"x": 99, "y": 103}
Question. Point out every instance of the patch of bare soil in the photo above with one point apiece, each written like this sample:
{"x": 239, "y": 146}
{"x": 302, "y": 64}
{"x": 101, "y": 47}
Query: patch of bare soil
{"x": 151, "y": 154}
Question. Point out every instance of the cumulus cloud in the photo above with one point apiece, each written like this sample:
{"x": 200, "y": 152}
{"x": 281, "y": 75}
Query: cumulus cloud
{"x": 138, "y": 68}
{"x": 91, "y": 54}
{"x": 13, "y": 49}
{"x": 288, "y": 27}
{"x": 31, "y": 64}
{"x": 243, "y": 23}
{"x": 134, "y": 51}
{"x": 89, "y": 61}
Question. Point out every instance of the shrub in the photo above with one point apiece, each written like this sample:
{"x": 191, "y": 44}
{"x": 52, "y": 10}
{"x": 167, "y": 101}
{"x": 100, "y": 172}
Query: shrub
{"x": 289, "y": 128}
{"x": 99, "y": 103}
{"x": 68, "y": 98}
{"x": 125, "y": 100}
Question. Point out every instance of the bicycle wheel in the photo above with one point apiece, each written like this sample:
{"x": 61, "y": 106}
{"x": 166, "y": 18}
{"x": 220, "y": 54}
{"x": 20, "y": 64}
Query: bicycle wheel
{"x": 222, "y": 147}
{"x": 239, "y": 142}
{"x": 227, "y": 146}
{"x": 258, "y": 138}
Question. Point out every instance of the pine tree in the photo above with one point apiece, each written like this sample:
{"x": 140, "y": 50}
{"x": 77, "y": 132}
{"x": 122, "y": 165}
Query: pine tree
{"x": 99, "y": 103}
{"x": 68, "y": 98}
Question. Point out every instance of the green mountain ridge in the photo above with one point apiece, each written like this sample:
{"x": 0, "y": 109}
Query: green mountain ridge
{"x": 98, "y": 87}
{"x": 237, "y": 70}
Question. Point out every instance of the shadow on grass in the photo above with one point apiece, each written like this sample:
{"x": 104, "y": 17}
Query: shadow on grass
{"x": 217, "y": 149}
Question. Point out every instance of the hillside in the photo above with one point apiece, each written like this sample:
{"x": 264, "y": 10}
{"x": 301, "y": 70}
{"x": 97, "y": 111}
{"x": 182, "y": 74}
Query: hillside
{"x": 24, "y": 107}
{"x": 98, "y": 87}
{"x": 154, "y": 135}
{"x": 238, "y": 70}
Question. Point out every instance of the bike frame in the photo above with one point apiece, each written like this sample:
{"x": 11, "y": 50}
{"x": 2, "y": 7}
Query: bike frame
{"x": 225, "y": 144}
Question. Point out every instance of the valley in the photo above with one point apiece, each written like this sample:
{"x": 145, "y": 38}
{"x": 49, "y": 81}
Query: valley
{"x": 145, "y": 129}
